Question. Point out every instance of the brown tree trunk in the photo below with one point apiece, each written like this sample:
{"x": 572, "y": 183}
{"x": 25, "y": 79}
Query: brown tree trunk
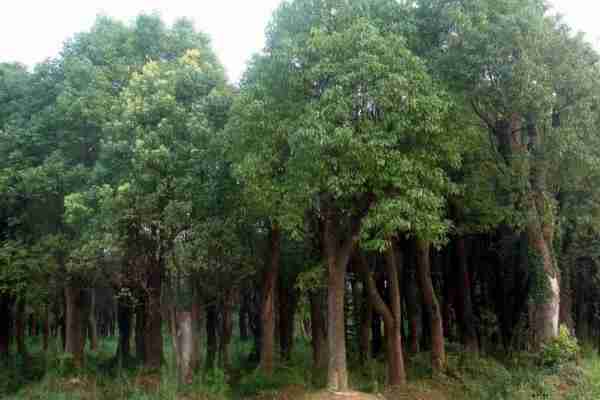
{"x": 46, "y": 328}
{"x": 75, "y": 324}
{"x": 92, "y": 329}
{"x": 287, "y": 311}
{"x": 184, "y": 339}
{"x": 140, "y": 332}
{"x": 413, "y": 310}
{"x": 432, "y": 306}
{"x": 396, "y": 374}
{"x": 124, "y": 323}
{"x": 226, "y": 331}
{"x": 267, "y": 315}
{"x": 319, "y": 344}
{"x": 362, "y": 316}
{"x": 5, "y": 325}
{"x": 366, "y": 316}
{"x": 153, "y": 340}
{"x": 467, "y": 316}
{"x": 337, "y": 255}
{"x": 211, "y": 336}
{"x": 337, "y": 377}
{"x": 243, "y": 317}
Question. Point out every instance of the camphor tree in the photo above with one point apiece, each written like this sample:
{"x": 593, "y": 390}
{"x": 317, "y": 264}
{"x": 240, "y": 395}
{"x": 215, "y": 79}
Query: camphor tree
{"x": 364, "y": 141}
{"x": 160, "y": 136}
{"x": 523, "y": 89}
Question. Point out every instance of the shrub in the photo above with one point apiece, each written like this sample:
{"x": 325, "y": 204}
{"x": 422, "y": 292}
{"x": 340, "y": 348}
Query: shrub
{"x": 560, "y": 350}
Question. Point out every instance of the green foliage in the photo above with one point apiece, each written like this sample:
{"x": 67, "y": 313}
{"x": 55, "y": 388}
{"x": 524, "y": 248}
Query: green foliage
{"x": 560, "y": 350}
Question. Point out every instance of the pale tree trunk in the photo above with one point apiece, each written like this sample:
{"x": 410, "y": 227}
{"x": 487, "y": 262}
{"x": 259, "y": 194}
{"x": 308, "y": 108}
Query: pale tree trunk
{"x": 184, "y": 346}
{"x": 267, "y": 314}
{"x": 337, "y": 257}
{"x": 196, "y": 316}
{"x": 540, "y": 232}
{"x": 431, "y": 304}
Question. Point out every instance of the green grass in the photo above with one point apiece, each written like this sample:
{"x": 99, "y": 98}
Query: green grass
{"x": 48, "y": 376}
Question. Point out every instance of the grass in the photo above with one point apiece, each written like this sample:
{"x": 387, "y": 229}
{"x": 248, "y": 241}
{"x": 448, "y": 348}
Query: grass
{"x": 48, "y": 376}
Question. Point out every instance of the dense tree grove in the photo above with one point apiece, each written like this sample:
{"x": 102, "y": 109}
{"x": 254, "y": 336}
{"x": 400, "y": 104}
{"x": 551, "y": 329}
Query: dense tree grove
{"x": 388, "y": 177}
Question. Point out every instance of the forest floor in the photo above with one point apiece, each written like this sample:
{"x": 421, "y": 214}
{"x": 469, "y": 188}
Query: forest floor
{"x": 467, "y": 378}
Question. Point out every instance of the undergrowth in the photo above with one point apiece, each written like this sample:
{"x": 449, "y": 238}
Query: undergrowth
{"x": 468, "y": 377}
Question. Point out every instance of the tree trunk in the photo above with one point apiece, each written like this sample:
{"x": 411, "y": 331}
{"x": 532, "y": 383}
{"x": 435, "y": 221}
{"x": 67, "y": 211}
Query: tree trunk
{"x": 243, "y": 317}
{"x": 140, "y": 332}
{"x": 153, "y": 340}
{"x": 396, "y": 374}
{"x": 92, "y": 328}
{"x": 184, "y": 338}
{"x": 226, "y": 331}
{"x": 46, "y": 328}
{"x": 413, "y": 308}
{"x": 5, "y": 325}
{"x": 467, "y": 317}
{"x": 211, "y": 336}
{"x": 267, "y": 315}
{"x": 75, "y": 324}
{"x": 196, "y": 320}
{"x": 337, "y": 377}
{"x": 124, "y": 322}
{"x": 432, "y": 306}
{"x": 366, "y": 316}
{"x": 540, "y": 232}
{"x": 318, "y": 333}
{"x": 337, "y": 255}
{"x": 287, "y": 311}
{"x": 546, "y": 309}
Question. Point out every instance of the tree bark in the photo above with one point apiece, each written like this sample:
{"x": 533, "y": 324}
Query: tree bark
{"x": 243, "y": 318}
{"x": 396, "y": 374}
{"x": 287, "y": 311}
{"x": 196, "y": 316}
{"x": 226, "y": 331}
{"x": 319, "y": 337}
{"x": 6, "y": 302}
{"x": 124, "y": 322}
{"x": 432, "y": 306}
{"x": 75, "y": 324}
{"x": 211, "y": 336}
{"x": 153, "y": 340}
{"x": 413, "y": 308}
{"x": 140, "y": 332}
{"x": 337, "y": 255}
{"x": 92, "y": 329}
{"x": 366, "y": 316}
{"x": 46, "y": 328}
{"x": 467, "y": 317}
{"x": 267, "y": 315}
{"x": 184, "y": 338}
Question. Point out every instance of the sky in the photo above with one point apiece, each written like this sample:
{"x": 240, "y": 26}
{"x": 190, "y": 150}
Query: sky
{"x": 33, "y": 30}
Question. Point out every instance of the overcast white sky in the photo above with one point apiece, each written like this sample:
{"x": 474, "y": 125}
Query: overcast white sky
{"x": 33, "y": 30}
